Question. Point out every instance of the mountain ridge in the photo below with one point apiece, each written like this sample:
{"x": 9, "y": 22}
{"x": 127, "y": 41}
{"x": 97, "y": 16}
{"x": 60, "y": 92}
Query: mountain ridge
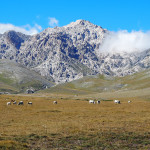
{"x": 64, "y": 54}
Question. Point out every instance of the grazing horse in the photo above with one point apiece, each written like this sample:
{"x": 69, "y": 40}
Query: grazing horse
{"x": 14, "y": 102}
{"x": 29, "y": 103}
{"x": 91, "y": 102}
{"x": 8, "y": 103}
{"x": 20, "y": 103}
{"x": 117, "y": 101}
{"x": 54, "y": 102}
{"x": 98, "y": 102}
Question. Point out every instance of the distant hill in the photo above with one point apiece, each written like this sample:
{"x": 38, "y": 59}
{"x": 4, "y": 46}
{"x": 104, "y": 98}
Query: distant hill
{"x": 103, "y": 83}
{"x": 15, "y": 78}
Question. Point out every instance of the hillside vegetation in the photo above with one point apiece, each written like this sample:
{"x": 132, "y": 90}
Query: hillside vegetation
{"x": 15, "y": 78}
{"x": 104, "y": 84}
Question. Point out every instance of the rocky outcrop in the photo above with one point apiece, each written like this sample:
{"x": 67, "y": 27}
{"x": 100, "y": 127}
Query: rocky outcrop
{"x": 10, "y": 43}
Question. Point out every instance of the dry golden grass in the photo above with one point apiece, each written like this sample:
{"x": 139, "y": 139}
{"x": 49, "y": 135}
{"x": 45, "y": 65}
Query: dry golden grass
{"x": 72, "y": 117}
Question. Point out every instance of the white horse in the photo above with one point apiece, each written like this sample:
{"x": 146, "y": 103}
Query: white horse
{"x": 54, "y": 102}
{"x": 8, "y": 103}
{"x": 91, "y": 102}
{"x": 117, "y": 101}
{"x": 29, "y": 103}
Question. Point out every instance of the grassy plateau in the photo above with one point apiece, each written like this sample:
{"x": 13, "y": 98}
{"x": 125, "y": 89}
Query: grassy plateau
{"x": 74, "y": 123}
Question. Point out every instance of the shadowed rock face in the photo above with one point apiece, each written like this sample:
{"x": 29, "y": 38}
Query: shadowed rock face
{"x": 10, "y": 43}
{"x": 70, "y": 52}
{"x": 15, "y": 39}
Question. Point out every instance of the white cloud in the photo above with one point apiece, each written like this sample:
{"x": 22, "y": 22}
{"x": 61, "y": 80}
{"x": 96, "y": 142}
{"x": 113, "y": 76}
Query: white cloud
{"x": 38, "y": 27}
{"x": 124, "y": 41}
{"x": 53, "y": 22}
{"x": 27, "y": 29}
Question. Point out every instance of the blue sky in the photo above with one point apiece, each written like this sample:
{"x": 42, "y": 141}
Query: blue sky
{"x": 113, "y": 15}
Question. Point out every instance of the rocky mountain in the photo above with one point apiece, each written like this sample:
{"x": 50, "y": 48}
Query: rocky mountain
{"x": 63, "y": 54}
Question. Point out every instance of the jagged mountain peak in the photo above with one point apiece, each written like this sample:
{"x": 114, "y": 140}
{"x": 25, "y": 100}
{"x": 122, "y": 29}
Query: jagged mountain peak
{"x": 76, "y": 27}
{"x": 79, "y": 22}
{"x": 82, "y": 24}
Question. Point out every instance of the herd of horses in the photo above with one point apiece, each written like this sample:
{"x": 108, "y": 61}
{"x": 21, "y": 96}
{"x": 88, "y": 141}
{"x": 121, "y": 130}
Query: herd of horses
{"x": 14, "y": 102}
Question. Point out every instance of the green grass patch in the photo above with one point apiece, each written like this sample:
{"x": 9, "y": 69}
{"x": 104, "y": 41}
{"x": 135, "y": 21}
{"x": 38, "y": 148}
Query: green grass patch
{"x": 4, "y": 78}
{"x": 101, "y": 140}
